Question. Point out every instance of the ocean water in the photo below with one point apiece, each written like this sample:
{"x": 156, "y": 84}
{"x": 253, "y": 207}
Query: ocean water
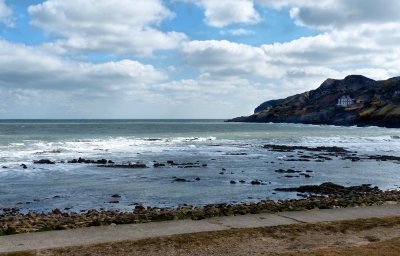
{"x": 231, "y": 151}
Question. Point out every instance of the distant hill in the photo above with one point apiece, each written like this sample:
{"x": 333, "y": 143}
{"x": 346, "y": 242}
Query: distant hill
{"x": 374, "y": 103}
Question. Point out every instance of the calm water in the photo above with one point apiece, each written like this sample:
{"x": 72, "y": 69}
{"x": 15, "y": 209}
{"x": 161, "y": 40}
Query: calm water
{"x": 236, "y": 147}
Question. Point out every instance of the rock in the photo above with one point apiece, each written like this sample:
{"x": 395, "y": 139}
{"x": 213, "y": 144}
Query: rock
{"x": 81, "y": 160}
{"x": 44, "y": 161}
{"x": 102, "y": 161}
{"x": 197, "y": 179}
{"x": 180, "y": 180}
{"x": 56, "y": 211}
{"x": 114, "y": 202}
{"x": 289, "y": 176}
{"x": 287, "y": 171}
{"x": 286, "y": 148}
{"x": 329, "y": 188}
{"x": 125, "y": 166}
{"x": 233, "y": 182}
{"x": 116, "y": 196}
{"x": 23, "y": 166}
{"x": 139, "y": 208}
{"x": 255, "y": 182}
{"x": 157, "y": 165}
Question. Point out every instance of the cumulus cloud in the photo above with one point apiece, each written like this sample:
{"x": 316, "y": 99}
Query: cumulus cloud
{"x": 117, "y": 26}
{"x": 25, "y": 67}
{"x": 225, "y": 12}
{"x": 331, "y": 14}
{"x": 6, "y": 14}
{"x": 228, "y": 59}
{"x": 303, "y": 63}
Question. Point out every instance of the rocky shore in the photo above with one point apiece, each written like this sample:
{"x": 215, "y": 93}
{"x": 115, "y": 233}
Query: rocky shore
{"x": 324, "y": 196}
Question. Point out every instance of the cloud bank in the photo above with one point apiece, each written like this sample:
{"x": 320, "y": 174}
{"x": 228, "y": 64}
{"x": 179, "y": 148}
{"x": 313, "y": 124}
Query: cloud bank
{"x": 131, "y": 59}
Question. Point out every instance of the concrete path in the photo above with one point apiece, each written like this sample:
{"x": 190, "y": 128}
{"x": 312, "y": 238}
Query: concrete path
{"x": 94, "y": 235}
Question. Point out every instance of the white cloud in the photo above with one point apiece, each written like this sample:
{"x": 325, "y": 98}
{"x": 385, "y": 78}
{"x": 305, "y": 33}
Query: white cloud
{"x": 209, "y": 96}
{"x": 225, "y": 12}
{"x": 117, "y": 26}
{"x": 28, "y": 68}
{"x": 228, "y": 59}
{"x": 331, "y": 14}
{"x": 6, "y": 14}
{"x": 237, "y": 32}
{"x": 302, "y": 64}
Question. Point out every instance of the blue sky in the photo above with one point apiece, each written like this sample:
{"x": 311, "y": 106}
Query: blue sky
{"x": 184, "y": 58}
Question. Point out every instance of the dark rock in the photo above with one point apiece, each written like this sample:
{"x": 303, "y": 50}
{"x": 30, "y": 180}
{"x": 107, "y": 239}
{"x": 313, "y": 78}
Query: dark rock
{"x": 157, "y": 165}
{"x": 197, "y": 179}
{"x": 114, "y": 202}
{"x": 23, "y": 166}
{"x": 102, "y": 161}
{"x": 297, "y": 160}
{"x": 384, "y": 158}
{"x": 139, "y": 208}
{"x": 233, "y": 182}
{"x": 56, "y": 211}
{"x": 125, "y": 166}
{"x": 180, "y": 180}
{"x": 329, "y": 188}
{"x": 286, "y": 148}
{"x": 236, "y": 154}
{"x": 287, "y": 171}
{"x": 255, "y": 182}
{"x": 116, "y": 196}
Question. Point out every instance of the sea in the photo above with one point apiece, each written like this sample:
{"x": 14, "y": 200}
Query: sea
{"x": 226, "y": 157}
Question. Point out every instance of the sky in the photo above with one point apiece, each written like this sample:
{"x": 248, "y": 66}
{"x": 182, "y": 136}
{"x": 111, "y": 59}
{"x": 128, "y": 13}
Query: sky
{"x": 184, "y": 58}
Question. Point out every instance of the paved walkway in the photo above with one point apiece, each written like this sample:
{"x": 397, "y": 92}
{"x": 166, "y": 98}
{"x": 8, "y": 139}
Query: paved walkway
{"x": 94, "y": 235}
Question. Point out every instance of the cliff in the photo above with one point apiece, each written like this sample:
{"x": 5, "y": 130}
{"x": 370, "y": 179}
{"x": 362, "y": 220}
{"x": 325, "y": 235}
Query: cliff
{"x": 376, "y": 103}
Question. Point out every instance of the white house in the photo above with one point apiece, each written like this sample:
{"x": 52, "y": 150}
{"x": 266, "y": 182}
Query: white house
{"x": 345, "y": 101}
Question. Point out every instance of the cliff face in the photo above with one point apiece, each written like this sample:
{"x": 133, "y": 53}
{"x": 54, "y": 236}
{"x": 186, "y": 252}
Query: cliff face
{"x": 376, "y": 103}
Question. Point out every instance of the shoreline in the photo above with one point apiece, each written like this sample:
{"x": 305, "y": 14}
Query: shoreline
{"x": 324, "y": 196}
{"x": 295, "y": 230}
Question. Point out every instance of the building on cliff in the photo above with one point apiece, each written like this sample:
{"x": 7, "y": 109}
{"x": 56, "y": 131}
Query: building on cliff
{"x": 345, "y": 101}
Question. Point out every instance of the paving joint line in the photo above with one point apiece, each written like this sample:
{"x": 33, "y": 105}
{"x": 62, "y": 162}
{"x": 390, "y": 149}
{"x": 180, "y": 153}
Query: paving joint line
{"x": 291, "y": 218}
